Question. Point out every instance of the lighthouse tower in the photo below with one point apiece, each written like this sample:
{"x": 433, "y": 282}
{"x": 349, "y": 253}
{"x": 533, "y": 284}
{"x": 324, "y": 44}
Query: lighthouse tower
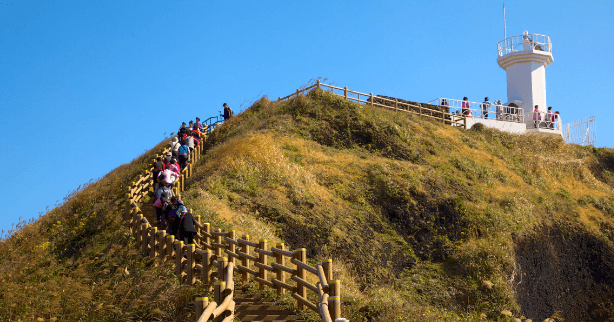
{"x": 525, "y": 59}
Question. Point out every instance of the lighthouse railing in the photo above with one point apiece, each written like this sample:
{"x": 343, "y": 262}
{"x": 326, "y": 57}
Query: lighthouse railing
{"x": 515, "y": 43}
{"x": 479, "y": 111}
{"x": 544, "y": 120}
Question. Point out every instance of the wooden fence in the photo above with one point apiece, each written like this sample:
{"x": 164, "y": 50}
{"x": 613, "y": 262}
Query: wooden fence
{"x": 216, "y": 256}
{"x": 388, "y": 103}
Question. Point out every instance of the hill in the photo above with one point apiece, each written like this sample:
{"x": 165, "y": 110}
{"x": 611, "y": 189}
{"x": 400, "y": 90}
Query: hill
{"x": 425, "y": 222}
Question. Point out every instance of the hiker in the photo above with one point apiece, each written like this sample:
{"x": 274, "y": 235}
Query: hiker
{"x": 167, "y": 159}
{"x": 174, "y": 166}
{"x": 163, "y": 198}
{"x": 465, "y": 107}
{"x": 500, "y": 110}
{"x": 555, "y": 120}
{"x": 537, "y": 116}
{"x": 182, "y": 130}
{"x": 444, "y": 102}
{"x": 167, "y": 176}
{"x": 197, "y": 126}
{"x": 185, "y": 228}
{"x": 184, "y": 154}
{"x": 549, "y": 118}
{"x": 190, "y": 141}
{"x": 158, "y": 166}
{"x": 174, "y": 216}
{"x": 174, "y": 147}
{"x": 485, "y": 106}
{"x": 227, "y": 112}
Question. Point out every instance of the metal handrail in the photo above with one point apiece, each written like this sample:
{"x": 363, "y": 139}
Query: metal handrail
{"x": 476, "y": 110}
{"x": 512, "y": 44}
{"x": 543, "y": 120}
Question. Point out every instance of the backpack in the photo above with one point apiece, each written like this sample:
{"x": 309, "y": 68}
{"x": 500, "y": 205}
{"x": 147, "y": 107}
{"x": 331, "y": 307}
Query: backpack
{"x": 183, "y": 150}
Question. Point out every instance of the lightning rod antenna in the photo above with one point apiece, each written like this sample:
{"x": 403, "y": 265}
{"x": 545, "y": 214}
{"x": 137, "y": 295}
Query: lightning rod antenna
{"x": 504, "y": 24}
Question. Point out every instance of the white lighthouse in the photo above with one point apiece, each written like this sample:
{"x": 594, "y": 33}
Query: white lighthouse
{"x": 525, "y": 59}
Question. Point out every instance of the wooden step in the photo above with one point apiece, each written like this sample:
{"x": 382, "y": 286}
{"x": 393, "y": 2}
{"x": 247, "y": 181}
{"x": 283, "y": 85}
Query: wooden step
{"x": 253, "y": 307}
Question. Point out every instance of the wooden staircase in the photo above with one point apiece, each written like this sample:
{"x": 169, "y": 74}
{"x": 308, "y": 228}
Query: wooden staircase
{"x": 252, "y": 307}
{"x": 249, "y": 307}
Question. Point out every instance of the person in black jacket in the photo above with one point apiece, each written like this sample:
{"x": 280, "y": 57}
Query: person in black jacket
{"x": 158, "y": 167}
{"x": 227, "y": 112}
{"x": 186, "y": 228}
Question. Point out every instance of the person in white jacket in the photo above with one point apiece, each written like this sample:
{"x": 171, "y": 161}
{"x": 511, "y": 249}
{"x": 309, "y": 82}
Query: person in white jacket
{"x": 175, "y": 146}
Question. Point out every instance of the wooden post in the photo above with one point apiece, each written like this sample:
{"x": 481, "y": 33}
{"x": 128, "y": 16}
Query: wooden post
{"x": 128, "y": 210}
{"x": 396, "y": 104}
{"x": 144, "y": 240}
{"x": 232, "y": 248}
{"x": 334, "y": 299}
{"x": 206, "y": 273}
{"x": 190, "y": 249}
{"x": 262, "y": 259}
{"x": 137, "y": 228}
{"x": 245, "y": 260}
{"x": 197, "y": 219}
{"x": 298, "y": 92}
{"x": 222, "y": 264}
{"x": 372, "y": 99}
{"x": 279, "y": 98}
{"x": 162, "y": 246}
{"x": 199, "y": 306}
{"x": 206, "y": 238}
{"x": 153, "y": 242}
{"x": 327, "y": 265}
{"x": 218, "y": 241}
{"x": 318, "y": 82}
{"x": 170, "y": 247}
{"x": 178, "y": 258}
{"x": 280, "y": 274}
{"x": 420, "y": 111}
{"x": 219, "y": 287}
{"x": 345, "y": 93}
{"x": 301, "y": 255}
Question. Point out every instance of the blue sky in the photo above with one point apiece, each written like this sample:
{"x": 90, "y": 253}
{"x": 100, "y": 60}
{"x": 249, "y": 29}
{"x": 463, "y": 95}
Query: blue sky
{"x": 86, "y": 86}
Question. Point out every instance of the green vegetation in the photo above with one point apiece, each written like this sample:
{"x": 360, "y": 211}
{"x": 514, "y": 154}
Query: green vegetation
{"x": 422, "y": 220}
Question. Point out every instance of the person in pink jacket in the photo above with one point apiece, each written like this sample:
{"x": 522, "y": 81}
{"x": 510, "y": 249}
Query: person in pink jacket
{"x": 537, "y": 116}
{"x": 175, "y": 166}
{"x": 465, "y": 107}
{"x": 168, "y": 176}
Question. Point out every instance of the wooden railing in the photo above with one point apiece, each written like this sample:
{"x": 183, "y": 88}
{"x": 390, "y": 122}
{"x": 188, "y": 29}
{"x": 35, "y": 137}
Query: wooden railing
{"x": 387, "y": 103}
{"x": 252, "y": 260}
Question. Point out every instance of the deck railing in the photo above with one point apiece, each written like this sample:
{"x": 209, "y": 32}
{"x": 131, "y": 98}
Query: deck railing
{"x": 482, "y": 111}
{"x": 232, "y": 254}
{"x": 517, "y": 43}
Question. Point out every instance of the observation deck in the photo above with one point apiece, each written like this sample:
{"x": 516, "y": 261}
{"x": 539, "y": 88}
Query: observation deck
{"x": 526, "y": 48}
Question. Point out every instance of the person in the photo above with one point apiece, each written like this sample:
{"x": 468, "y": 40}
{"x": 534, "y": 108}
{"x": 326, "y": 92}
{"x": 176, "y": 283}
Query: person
{"x": 167, "y": 176}
{"x": 174, "y": 147}
{"x": 184, "y": 154}
{"x": 555, "y": 120}
{"x": 444, "y": 102}
{"x": 500, "y": 110}
{"x": 190, "y": 140}
{"x": 174, "y": 166}
{"x": 227, "y": 112}
{"x": 163, "y": 197}
{"x": 185, "y": 228}
{"x": 182, "y": 130}
{"x": 466, "y": 107}
{"x": 190, "y": 126}
{"x": 174, "y": 216}
{"x": 158, "y": 166}
{"x": 167, "y": 158}
{"x": 485, "y": 106}
{"x": 549, "y": 118}
{"x": 537, "y": 116}
{"x": 198, "y": 126}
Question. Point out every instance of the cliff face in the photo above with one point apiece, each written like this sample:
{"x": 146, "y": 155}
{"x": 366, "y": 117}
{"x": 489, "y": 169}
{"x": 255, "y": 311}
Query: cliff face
{"x": 425, "y": 222}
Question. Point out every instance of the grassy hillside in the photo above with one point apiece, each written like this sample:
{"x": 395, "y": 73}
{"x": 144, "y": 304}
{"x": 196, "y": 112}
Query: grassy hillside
{"x": 79, "y": 263}
{"x": 425, "y": 222}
